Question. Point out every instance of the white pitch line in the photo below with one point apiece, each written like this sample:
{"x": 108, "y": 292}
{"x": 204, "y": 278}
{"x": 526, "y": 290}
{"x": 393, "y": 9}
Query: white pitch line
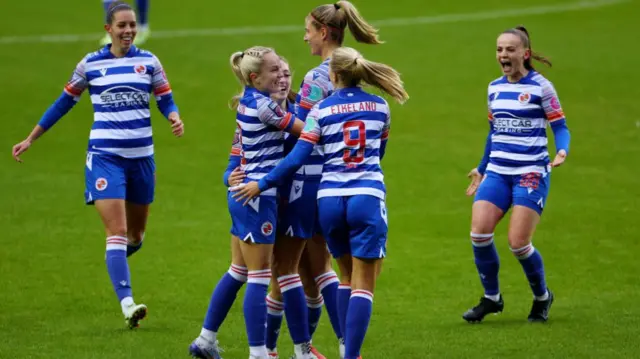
{"x": 395, "y": 22}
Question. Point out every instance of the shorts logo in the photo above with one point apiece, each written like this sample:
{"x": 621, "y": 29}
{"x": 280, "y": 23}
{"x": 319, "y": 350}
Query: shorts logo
{"x": 530, "y": 181}
{"x": 101, "y": 184}
{"x": 140, "y": 69}
{"x": 267, "y": 228}
{"x": 524, "y": 98}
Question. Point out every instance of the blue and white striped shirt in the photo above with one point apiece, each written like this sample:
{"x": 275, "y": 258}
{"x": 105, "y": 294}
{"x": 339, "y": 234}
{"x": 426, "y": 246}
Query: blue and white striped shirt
{"x": 261, "y": 122}
{"x": 120, "y": 91}
{"x": 519, "y": 114}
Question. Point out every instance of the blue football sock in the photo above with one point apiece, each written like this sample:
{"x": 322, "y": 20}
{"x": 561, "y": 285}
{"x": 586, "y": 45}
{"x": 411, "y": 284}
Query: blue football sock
{"x": 344, "y": 296}
{"x": 531, "y": 262}
{"x": 328, "y": 285}
{"x": 314, "y": 308}
{"x": 358, "y": 317}
{"x": 116, "y": 259}
{"x": 487, "y": 262}
{"x": 275, "y": 312}
{"x": 295, "y": 308}
{"x": 223, "y": 297}
{"x": 255, "y": 307}
{"x": 143, "y": 11}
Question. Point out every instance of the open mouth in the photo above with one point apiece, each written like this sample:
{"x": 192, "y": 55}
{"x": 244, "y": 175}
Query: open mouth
{"x": 127, "y": 39}
{"x": 506, "y": 65}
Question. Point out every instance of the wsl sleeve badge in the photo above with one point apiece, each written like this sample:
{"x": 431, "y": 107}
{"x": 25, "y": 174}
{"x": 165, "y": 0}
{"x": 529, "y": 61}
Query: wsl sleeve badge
{"x": 276, "y": 109}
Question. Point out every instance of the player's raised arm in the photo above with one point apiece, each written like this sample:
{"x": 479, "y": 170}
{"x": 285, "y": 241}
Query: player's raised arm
{"x": 69, "y": 97}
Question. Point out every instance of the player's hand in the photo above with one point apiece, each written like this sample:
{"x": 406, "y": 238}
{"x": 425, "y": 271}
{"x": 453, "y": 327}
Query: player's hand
{"x": 19, "y": 149}
{"x": 177, "y": 126}
{"x": 559, "y": 159}
{"x": 236, "y": 177}
{"x": 476, "y": 179}
{"x": 246, "y": 192}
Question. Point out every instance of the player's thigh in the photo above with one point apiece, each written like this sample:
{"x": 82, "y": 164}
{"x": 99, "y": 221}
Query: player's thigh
{"x": 493, "y": 199}
{"x": 105, "y": 177}
{"x": 286, "y": 254}
{"x": 522, "y": 226}
{"x": 316, "y": 256}
{"x": 530, "y": 193}
{"x": 141, "y": 180}
{"x": 236, "y": 252}
{"x": 307, "y": 278}
{"x": 365, "y": 273}
{"x": 332, "y": 216}
{"x": 113, "y": 215}
{"x": 256, "y": 256}
{"x": 137, "y": 215}
{"x": 368, "y": 226}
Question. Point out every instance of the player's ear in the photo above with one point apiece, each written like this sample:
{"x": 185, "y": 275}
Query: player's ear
{"x": 107, "y": 27}
{"x": 324, "y": 33}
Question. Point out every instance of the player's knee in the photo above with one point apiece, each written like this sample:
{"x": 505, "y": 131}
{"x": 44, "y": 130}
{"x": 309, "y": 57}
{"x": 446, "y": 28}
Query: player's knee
{"x": 117, "y": 230}
{"x": 310, "y": 287}
{"x": 283, "y": 266}
{"x": 517, "y": 241}
{"x": 135, "y": 237}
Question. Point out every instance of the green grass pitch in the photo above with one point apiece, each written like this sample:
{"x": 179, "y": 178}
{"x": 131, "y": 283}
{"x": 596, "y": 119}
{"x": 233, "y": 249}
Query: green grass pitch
{"x": 56, "y": 300}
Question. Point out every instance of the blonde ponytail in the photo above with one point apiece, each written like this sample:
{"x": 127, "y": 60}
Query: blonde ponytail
{"x": 351, "y": 69}
{"x": 336, "y": 17}
{"x": 361, "y": 30}
{"x": 243, "y": 64}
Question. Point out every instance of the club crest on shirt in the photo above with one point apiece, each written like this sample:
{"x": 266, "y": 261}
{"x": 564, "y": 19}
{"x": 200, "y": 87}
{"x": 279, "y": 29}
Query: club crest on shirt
{"x": 140, "y": 69}
{"x": 267, "y": 228}
{"x": 524, "y": 98}
{"x": 101, "y": 184}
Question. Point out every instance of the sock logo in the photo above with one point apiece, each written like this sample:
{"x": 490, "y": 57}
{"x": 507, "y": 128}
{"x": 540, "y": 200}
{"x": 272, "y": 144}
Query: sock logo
{"x": 267, "y": 228}
{"x": 101, "y": 184}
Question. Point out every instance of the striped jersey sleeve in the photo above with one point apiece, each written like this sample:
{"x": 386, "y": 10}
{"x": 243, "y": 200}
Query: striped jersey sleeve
{"x": 270, "y": 113}
{"x": 551, "y": 103}
{"x": 386, "y": 127}
{"x": 311, "y": 132}
{"x": 78, "y": 81}
{"x": 236, "y": 145}
{"x": 315, "y": 87}
{"x": 159, "y": 81}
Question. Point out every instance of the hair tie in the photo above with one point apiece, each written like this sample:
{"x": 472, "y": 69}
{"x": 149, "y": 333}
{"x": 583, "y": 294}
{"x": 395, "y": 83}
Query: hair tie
{"x": 337, "y": 6}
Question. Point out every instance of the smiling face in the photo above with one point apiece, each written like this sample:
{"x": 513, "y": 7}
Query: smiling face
{"x": 122, "y": 29}
{"x": 285, "y": 83}
{"x": 314, "y": 37}
{"x": 268, "y": 79}
{"x": 511, "y": 54}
